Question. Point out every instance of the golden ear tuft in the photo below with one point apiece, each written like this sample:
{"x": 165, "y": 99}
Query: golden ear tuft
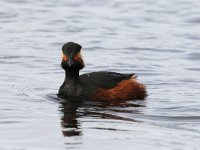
{"x": 78, "y": 56}
{"x": 62, "y": 55}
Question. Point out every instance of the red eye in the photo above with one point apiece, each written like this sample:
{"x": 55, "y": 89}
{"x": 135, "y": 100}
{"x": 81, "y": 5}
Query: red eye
{"x": 77, "y": 57}
{"x": 64, "y": 57}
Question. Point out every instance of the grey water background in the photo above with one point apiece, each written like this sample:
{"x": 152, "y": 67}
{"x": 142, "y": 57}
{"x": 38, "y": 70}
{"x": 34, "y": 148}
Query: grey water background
{"x": 158, "y": 40}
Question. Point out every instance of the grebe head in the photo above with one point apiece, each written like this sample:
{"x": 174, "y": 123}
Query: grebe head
{"x": 71, "y": 56}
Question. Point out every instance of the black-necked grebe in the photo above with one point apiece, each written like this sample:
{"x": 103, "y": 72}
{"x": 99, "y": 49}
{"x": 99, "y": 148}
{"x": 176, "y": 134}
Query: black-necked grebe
{"x": 96, "y": 85}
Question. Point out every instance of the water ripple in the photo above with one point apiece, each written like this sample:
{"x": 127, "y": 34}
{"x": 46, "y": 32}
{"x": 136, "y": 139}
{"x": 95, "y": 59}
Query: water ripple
{"x": 157, "y": 40}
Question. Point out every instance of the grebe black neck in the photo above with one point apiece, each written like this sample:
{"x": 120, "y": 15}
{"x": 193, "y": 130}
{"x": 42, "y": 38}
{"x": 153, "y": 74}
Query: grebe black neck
{"x": 72, "y": 75}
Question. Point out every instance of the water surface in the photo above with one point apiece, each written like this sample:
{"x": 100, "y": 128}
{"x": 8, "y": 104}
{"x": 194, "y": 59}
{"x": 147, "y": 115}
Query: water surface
{"x": 157, "y": 40}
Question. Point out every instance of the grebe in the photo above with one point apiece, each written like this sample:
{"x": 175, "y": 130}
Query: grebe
{"x": 101, "y": 85}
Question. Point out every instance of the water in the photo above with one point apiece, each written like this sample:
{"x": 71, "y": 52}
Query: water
{"x": 158, "y": 40}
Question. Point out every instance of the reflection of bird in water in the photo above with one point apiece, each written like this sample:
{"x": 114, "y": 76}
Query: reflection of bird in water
{"x": 101, "y": 85}
{"x": 69, "y": 120}
{"x": 73, "y": 110}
